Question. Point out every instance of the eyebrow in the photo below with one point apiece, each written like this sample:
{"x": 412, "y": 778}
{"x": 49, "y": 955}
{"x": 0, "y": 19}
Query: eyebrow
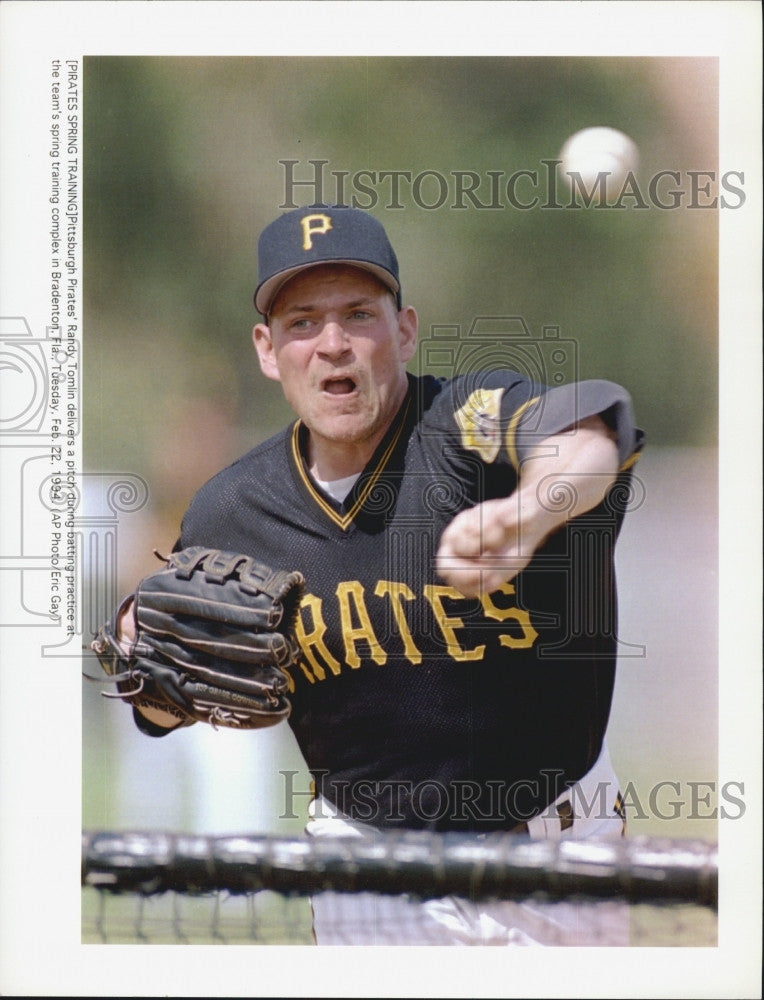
{"x": 309, "y": 307}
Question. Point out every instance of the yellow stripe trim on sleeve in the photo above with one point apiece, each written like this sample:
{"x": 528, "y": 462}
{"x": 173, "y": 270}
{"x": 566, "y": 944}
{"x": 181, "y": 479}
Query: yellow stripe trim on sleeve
{"x": 512, "y": 429}
{"x": 631, "y": 460}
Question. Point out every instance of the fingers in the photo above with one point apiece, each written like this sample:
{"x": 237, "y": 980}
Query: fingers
{"x": 470, "y": 579}
{"x": 479, "y": 575}
{"x": 482, "y": 548}
{"x": 479, "y": 530}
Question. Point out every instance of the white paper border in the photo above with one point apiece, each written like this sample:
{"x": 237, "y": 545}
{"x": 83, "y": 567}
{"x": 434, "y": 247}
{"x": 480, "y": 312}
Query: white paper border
{"x": 40, "y": 710}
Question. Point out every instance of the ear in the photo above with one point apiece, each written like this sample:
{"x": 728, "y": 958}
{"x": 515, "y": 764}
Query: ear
{"x": 261, "y": 338}
{"x": 408, "y": 326}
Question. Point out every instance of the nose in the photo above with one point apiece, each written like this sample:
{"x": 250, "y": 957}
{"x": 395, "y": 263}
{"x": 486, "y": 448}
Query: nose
{"x": 334, "y": 341}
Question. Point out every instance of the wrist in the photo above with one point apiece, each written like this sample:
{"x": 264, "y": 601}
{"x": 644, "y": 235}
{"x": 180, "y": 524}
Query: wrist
{"x": 537, "y": 520}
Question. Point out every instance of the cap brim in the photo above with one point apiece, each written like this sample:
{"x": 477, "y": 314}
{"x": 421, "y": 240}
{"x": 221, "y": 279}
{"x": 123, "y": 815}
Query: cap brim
{"x": 267, "y": 292}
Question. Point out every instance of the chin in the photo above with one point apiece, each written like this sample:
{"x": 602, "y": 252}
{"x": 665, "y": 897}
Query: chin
{"x": 349, "y": 430}
{"x": 346, "y": 435}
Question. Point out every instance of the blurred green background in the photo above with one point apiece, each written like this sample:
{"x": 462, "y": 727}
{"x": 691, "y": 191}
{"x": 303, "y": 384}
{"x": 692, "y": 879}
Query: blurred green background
{"x": 181, "y": 171}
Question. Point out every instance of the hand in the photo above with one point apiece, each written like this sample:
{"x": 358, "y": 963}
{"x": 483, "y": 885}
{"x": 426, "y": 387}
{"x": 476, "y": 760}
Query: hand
{"x": 207, "y": 638}
{"x": 491, "y": 543}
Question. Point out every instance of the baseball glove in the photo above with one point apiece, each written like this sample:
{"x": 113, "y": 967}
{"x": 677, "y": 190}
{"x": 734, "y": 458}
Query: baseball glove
{"x": 213, "y": 634}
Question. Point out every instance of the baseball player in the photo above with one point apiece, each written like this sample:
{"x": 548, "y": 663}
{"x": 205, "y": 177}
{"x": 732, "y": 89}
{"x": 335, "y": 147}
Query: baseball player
{"x": 455, "y": 642}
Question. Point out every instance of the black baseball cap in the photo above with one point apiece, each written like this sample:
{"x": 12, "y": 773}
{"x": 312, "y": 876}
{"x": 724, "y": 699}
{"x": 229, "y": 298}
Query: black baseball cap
{"x": 322, "y": 234}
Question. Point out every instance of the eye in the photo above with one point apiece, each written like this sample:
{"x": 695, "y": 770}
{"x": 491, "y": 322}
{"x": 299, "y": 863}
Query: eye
{"x": 300, "y": 324}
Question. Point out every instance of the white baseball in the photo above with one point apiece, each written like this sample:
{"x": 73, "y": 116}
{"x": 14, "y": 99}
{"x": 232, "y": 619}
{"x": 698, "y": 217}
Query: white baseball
{"x": 593, "y": 151}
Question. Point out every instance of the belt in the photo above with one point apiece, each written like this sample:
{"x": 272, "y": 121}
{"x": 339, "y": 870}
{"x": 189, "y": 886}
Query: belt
{"x": 565, "y": 815}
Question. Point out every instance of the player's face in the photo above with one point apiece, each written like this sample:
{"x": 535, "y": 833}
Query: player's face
{"x": 339, "y": 346}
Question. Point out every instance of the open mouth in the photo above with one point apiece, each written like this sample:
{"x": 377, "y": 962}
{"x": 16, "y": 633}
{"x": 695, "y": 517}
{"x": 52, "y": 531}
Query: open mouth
{"x": 339, "y": 386}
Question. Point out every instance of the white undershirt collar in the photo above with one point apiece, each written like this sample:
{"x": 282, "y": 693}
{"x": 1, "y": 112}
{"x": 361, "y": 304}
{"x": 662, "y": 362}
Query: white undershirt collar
{"x": 338, "y": 489}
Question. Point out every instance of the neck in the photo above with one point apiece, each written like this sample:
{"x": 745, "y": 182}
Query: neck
{"x": 329, "y": 460}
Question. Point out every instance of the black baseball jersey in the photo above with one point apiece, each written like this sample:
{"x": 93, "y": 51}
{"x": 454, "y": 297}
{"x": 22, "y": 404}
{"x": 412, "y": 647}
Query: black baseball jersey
{"x": 414, "y": 706}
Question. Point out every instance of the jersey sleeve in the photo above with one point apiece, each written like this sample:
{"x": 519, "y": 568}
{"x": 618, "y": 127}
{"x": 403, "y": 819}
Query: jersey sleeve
{"x": 559, "y": 408}
{"x": 505, "y": 417}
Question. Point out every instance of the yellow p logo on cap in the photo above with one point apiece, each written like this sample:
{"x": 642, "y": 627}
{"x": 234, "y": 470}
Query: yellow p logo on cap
{"x": 311, "y": 224}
